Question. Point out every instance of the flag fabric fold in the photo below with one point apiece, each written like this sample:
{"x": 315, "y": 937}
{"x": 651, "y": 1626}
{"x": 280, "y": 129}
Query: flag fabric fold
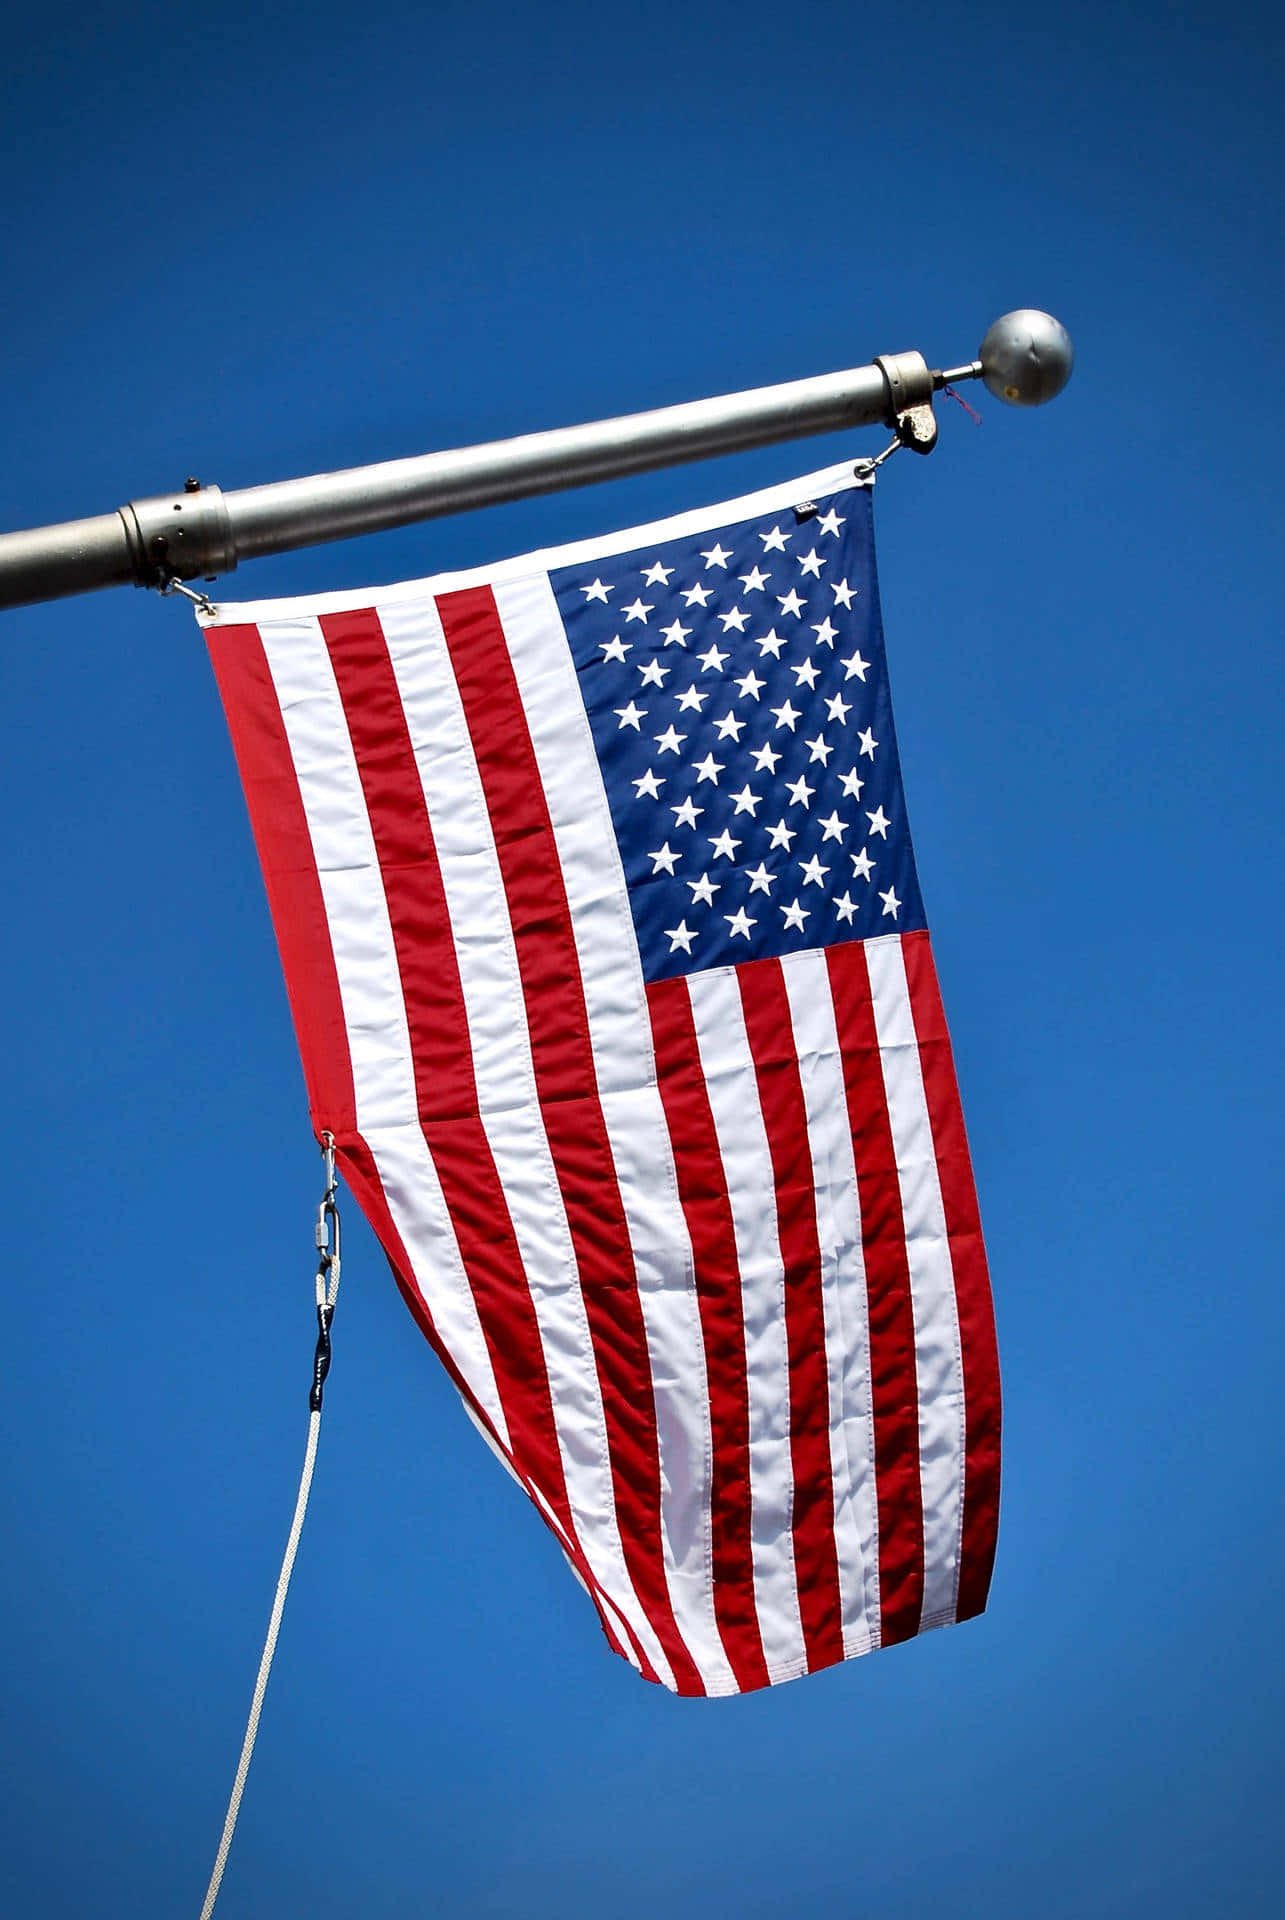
{"x": 600, "y": 923}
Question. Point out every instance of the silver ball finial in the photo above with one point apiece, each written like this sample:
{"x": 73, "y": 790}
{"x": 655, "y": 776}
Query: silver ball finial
{"x": 1026, "y": 357}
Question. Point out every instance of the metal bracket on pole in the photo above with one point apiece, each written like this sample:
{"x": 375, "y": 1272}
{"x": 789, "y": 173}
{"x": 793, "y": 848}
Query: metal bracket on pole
{"x": 911, "y": 384}
{"x": 1025, "y": 359}
{"x": 181, "y": 536}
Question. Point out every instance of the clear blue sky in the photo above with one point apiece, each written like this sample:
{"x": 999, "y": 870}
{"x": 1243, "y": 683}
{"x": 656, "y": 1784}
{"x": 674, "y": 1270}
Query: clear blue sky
{"x": 248, "y": 244}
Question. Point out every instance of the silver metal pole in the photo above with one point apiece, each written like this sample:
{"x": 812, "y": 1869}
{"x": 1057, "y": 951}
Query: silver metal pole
{"x": 202, "y": 532}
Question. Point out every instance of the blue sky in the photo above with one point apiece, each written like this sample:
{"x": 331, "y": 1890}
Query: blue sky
{"x": 248, "y": 246}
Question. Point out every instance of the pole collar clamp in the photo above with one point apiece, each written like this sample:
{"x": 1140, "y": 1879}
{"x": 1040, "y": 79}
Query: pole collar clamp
{"x": 179, "y": 536}
{"x": 910, "y": 385}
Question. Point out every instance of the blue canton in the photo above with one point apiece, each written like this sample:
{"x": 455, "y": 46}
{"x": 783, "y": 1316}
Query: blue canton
{"x": 737, "y": 691}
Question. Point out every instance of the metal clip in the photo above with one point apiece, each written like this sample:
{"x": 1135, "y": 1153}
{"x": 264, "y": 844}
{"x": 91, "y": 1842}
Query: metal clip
{"x": 201, "y": 600}
{"x": 866, "y": 469}
{"x": 328, "y": 1261}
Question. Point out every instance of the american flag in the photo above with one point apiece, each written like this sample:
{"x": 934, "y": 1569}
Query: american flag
{"x": 605, "y": 947}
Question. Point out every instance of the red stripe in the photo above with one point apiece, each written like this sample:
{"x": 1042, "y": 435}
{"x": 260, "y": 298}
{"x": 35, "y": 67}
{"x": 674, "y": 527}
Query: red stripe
{"x": 780, "y": 1090}
{"x": 568, "y": 1091}
{"x": 702, "y": 1189}
{"x": 443, "y": 1061}
{"x": 892, "y": 1328}
{"x": 972, "y": 1282}
{"x": 437, "y": 1019}
{"x": 281, "y": 835}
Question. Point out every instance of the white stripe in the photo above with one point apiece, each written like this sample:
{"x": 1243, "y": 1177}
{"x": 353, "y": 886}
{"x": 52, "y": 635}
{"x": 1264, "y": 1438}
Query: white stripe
{"x": 732, "y": 1085}
{"x": 843, "y": 1292}
{"x": 361, "y": 938}
{"x": 624, "y": 1062}
{"x": 508, "y": 1103}
{"x": 932, "y": 1284}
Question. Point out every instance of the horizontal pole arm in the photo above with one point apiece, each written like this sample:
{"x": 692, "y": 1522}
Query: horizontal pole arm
{"x": 46, "y": 563}
{"x": 203, "y": 532}
{"x": 333, "y": 506}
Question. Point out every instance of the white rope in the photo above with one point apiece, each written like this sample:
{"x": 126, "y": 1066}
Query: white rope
{"x": 265, "y": 1665}
{"x": 327, "y": 1289}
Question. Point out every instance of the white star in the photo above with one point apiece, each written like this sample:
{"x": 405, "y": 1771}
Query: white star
{"x": 838, "y": 708}
{"x": 819, "y": 749}
{"x": 736, "y": 618}
{"x": 638, "y": 610}
{"x": 747, "y": 801}
{"x": 630, "y": 716}
{"x": 755, "y": 580}
{"x": 811, "y": 563}
{"x": 834, "y": 828}
{"x": 687, "y": 813}
{"x": 717, "y": 557}
{"x": 696, "y": 596}
{"x": 813, "y": 872}
{"x": 656, "y": 575}
{"x": 708, "y": 769}
{"x": 851, "y": 784}
{"x": 653, "y": 674}
{"x": 704, "y": 890}
{"x": 675, "y": 634}
{"x": 760, "y": 879}
{"x": 615, "y": 649}
{"x": 772, "y": 643}
{"x": 786, "y": 715}
{"x": 800, "y": 792}
{"x": 808, "y": 672}
{"x": 829, "y": 522}
{"x": 774, "y": 541}
{"x": 680, "y": 936}
{"x": 712, "y": 661}
{"x": 790, "y": 603}
{"x": 691, "y": 701}
{"x": 729, "y": 725}
{"x": 750, "y": 685}
{"x": 724, "y": 845}
{"x": 739, "y": 922}
{"x": 596, "y": 592}
{"x": 782, "y": 836}
{"x": 868, "y": 742}
{"x": 842, "y": 593}
{"x": 795, "y": 915}
{"x": 845, "y": 907}
{"x": 648, "y": 784}
{"x": 856, "y": 665}
{"x": 669, "y": 741}
{"x": 765, "y": 759}
{"x": 890, "y": 902}
{"x": 862, "y": 865}
{"x": 825, "y": 632}
{"x": 663, "y": 857}
{"x": 879, "y": 822}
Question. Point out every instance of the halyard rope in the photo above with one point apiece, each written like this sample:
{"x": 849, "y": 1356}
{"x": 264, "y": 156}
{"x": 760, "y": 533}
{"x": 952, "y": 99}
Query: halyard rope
{"x": 327, "y": 1288}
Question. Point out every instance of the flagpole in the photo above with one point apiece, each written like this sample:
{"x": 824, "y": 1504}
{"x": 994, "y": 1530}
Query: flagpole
{"x": 203, "y": 532}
